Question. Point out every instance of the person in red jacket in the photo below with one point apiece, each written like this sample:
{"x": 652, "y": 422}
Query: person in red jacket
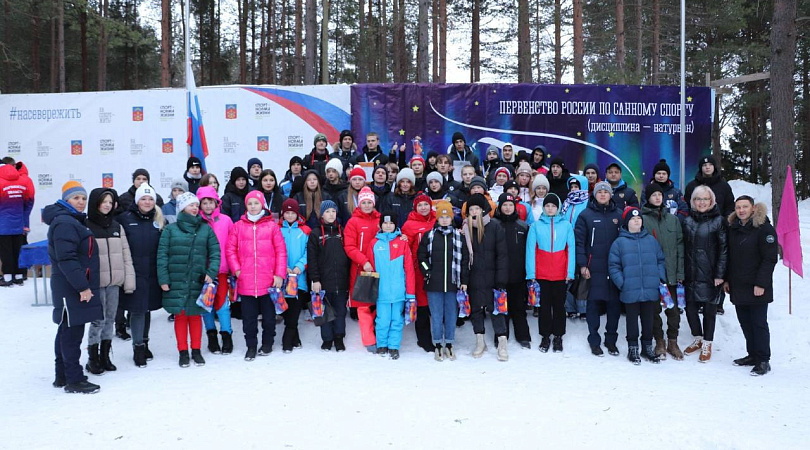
{"x": 360, "y": 231}
{"x": 16, "y": 203}
{"x": 420, "y": 222}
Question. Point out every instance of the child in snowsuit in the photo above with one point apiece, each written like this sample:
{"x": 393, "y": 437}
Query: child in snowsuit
{"x": 295, "y": 238}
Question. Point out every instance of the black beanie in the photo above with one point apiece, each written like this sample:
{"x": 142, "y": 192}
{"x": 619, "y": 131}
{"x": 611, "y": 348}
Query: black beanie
{"x": 141, "y": 172}
{"x": 629, "y": 213}
{"x": 557, "y": 161}
{"x": 432, "y": 154}
{"x": 478, "y": 200}
{"x": 296, "y": 160}
{"x": 345, "y": 133}
{"x": 551, "y": 198}
{"x": 708, "y": 159}
{"x": 522, "y": 156}
{"x": 652, "y": 188}
{"x": 457, "y": 135}
{"x": 613, "y": 164}
{"x": 662, "y": 165}
{"x": 506, "y": 198}
{"x": 389, "y": 216}
{"x": 193, "y": 161}
{"x": 509, "y": 184}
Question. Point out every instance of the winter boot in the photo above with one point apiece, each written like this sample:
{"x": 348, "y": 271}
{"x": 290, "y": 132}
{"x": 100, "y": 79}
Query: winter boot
{"x": 526, "y": 345}
{"x": 394, "y": 353}
{"x": 196, "y": 355}
{"x": 59, "y": 383}
{"x": 705, "y": 352}
{"x": 438, "y": 355}
{"x": 612, "y": 349}
{"x": 121, "y": 331}
{"x": 674, "y": 350}
{"x": 480, "y": 346}
{"x": 104, "y": 354}
{"x": 94, "y": 362}
{"x": 139, "y": 355}
{"x": 82, "y": 387}
{"x": 213, "y": 342}
{"x": 326, "y": 346}
{"x": 265, "y": 350}
{"x": 227, "y": 343}
{"x": 693, "y": 348}
{"x": 382, "y": 351}
{"x": 170, "y": 318}
{"x": 250, "y": 354}
{"x": 184, "y": 359}
{"x": 339, "y": 345}
{"x": 660, "y": 349}
{"x": 149, "y": 355}
{"x": 449, "y": 353}
{"x": 649, "y": 353}
{"x": 503, "y": 352}
{"x": 545, "y": 343}
{"x": 596, "y": 350}
{"x": 747, "y": 361}
{"x": 556, "y": 344}
{"x": 632, "y": 354}
{"x": 761, "y": 369}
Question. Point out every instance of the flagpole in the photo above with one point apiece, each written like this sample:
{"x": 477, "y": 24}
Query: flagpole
{"x": 790, "y": 291}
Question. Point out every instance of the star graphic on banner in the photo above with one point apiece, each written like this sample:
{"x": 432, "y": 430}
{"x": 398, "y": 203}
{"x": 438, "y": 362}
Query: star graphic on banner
{"x": 607, "y": 89}
{"x": 641, "y": 87}
{"x": 437, "y": 131}
{"x": 610, "y": 134}
{"x": 402, "y": 132}
{"x": 476, "y": 103}
{"x": 579, "y": 133}
{"x": 415, "y": 108}
{"x": 689, "y": 99}
{"x": 375, "y": 103}
{"x": 494, "y": 91}
{"x": 567, "y": 90}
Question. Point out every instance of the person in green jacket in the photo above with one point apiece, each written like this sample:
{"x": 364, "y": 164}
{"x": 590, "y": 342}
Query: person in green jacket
{"x": 666, "y": 228}
{"x": 188, "y": 256}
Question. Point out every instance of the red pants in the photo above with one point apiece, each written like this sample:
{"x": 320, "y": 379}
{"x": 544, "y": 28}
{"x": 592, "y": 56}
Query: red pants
{"x": 365, "y": 317}
{"x": 185, "y": 325}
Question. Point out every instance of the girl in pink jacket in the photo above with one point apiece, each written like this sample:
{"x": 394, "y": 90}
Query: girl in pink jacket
{"x": 258, "y": 257}
{"x": 222, "y": 225}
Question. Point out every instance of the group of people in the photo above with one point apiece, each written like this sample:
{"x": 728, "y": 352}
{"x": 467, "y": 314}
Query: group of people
{"x": 551, "y": 243}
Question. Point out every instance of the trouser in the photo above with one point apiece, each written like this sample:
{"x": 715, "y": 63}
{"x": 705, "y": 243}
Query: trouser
{"x": 573, "y": 305}
{"x": 594, "y": 311}
{"x": 516, "y": 297}
{"x": 422, "y": 326}
{"x": 67, "y": 349}
{"x": 224, "y": 315}
{"x": 365, "y": 320}
{"x": 443, "y": 314}
{"x": 645, "y": 312}
{"x": 552, "y": 310}
{"x": 389, "y": 323}
{"x": 120, "y": 318}
{"x": 184, "y": 326}
{"x": 291, "y": 338}
{"x": 104, "y": 329}
{"x": 251, "y": 307}
{"x": 140, "y": 322}
{"x": 482, "y": 300}
{"x": 337, "y": 327}
{"x": 709, "y": 316}
{"x": 673, "y": 318}
{"x": 10, "y": 246}
{"x": 754, "y": 323}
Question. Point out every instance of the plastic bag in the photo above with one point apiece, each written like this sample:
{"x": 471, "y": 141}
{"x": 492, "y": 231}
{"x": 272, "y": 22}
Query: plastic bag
{"x": 534, "y": 293}
{"x": 278, "y": 300}
{"x": 666, "y": 297}
{"x": 207, "y": 296}
{"x": 410, "y": 311}
{"x": 500, "y": 304}
{"x": 681, "y": 292}
{"x": 232, "y": 295}
{"x": 316, "y": 303}
{"x": 291, "y": 287}
{"x": 463, "y": 304}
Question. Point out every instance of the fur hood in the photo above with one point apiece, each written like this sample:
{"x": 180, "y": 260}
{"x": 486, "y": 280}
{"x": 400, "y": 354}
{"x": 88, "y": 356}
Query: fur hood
{"x": 759, "y": 217}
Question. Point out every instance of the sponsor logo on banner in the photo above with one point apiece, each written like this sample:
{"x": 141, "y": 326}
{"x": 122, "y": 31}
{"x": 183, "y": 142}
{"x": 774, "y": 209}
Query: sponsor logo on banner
{"x": 168, "y": 145}
{"x": 75, "y": 147}
{"x": 106, "y": 117}
{"x": 106, "y": 146}
{"x": 230, "y": 111}
{"x": 295, "y": 143}
{"x": 137, "y": 113}
{"x": 166, "y": 112}
{"x": 44, "y": 180}
{"x": 43, "y": 151}
{"x": 165, "y": 180}
{"x": 263, "y": 143}
{"x": 14, "y": 148}
{"x": 226, "y": 177}
{"x": 107, "y": 180}
{"x": 229, "y": 146}
{"x": 262, "y": 110}
{"x": 135, "y": 148}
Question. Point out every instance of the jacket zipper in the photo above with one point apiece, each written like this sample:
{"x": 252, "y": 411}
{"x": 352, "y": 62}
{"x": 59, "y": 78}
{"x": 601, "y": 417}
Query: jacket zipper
{"x": 109, "y": 261}
{"x": 255, "y": 265}
{"x": 445, "y": 263}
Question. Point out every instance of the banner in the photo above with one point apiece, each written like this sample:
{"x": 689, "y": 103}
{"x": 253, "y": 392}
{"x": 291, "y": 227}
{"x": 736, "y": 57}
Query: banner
{"x": 634, "y": 126}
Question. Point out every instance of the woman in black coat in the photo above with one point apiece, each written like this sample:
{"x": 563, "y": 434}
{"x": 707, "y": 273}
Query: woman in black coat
{"x": 233, "y": 202}
{"x": 753, "y": 252}
{"x": 74, "y": 284}
{"x": 705, "y": 262}
{"x": 143, "y": 224}
{"x": 515, "y": 232}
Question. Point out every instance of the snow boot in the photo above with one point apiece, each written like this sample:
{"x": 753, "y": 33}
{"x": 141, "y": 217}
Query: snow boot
{"x": 632, "y": 355}
{"x": 545, "y": 343}
{"x": 648, "y": 352}
{"x": 196, "y": 355}
{"x": 674, "y": 350}
{"x": 121, "y": 332}
{"x": 612, "y": 349}
{"x": 394, "y": 353}
{"x": 480, "y": 346}
{"x": 596, "y": 350}
{"x": 339, "y": 345}
{"x": 170, "y": 318}
{"x": 694, "y": 347}
{"x": 82, "y": 387}
{"x": 265, "y": 350}
{"x": 556, "y": 344}
{"x": 503, "y": 352}
{"x": 449, "y": 353}
{"x": 104, "y": 355}
{"x": 526, "y": 345}
{"x": 438, "y": 355}
{"x": 250, "y": 354}
{"x": 227, "y": 343}
{"x": 184, "y": 359}
{"x": 382, "y": 351}
{"x": 139, "y": 355}
{"x": 213, "y": 342}
{"x": 149, "y": 355}
{"x": 371, "y": 349}
{"x": 94, "y": 362}
{"x": 326, "y": 346}
{"x": 761, "y": 369}
{"x": 660, "y": 349}
{"x": 747, "y": 361}
{"x": 705, "y": 352}
{"x": 59, "y": 383}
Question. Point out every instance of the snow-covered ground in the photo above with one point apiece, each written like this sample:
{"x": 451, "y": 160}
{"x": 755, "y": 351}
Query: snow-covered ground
{"x": 310, "y": 399}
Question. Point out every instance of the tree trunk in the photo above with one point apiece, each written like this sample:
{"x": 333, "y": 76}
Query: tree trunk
{"x": 242, "y": 6}
{"x": 524, "y": 44}
{"x": 620, "y": 52}
{"x": 253, "y": 66}
{"x": 382, "y": 48}
{"x": 212, "y": 43}
{"x": 442, "y": 41}
{"x": 165, "y": 42}
{"x": 85, "y": 65}
{"x": 299, "y": 42}
{"x": 54, "y": 58}
{"x": 35, "y": 43}
{"x": 537, "y": 41}
{"x": 434, "y": 7}
{"x": 422, "y": 53}
{"x": 397, "y": 49}
{"x": 311, "y": 42}
{"x": 783, "y": 52}
{"x": 285, "y": 73}
{"x": 273, "y": 72}
{"x": 805, "y": 138}
{"x": 656, "y": 53}
{"x": 7, "y": 41}
{"x": 557, "y": 42}
{"x": 756, "y": 145}
{"x": 475, "y": 50}
{"x": 579, "y": 44}
{"x": 325, "y": 43}
{"x": 639, "y": 42}
{"x": 60, "y": 38}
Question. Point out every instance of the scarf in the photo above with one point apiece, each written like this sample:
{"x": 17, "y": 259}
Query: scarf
{"x": 255, "y": 217}
{"x": 465, "y": 231}
{"x": 575, "y": 198}
{"x": 456, "y": 273}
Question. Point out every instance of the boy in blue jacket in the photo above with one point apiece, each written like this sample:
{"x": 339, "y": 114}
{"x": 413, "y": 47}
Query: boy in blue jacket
{"x": 638, "y": 267}
{"x": 296, "y": 236}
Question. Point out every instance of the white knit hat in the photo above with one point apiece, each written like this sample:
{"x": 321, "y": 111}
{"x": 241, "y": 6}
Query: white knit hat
{"x": 539, "y": 180}
{"x": 408, "y": 174}
{"x": 145, "y": 190}
{"x": 185, "y": 199}
{"x": 336, "y": 164}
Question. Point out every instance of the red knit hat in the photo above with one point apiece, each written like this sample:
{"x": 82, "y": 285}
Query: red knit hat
{"x": 357, "y": 172}
{"x": 290, "y": 205}
{"x": 417, "y": 158}
{"x": 421, "y": 197}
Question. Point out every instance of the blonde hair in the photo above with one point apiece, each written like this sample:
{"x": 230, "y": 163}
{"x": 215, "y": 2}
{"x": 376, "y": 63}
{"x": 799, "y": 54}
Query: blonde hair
{"x": 479, "y": 223}
{"x": 159, "y": 219}
{"x": 700, "y": 190}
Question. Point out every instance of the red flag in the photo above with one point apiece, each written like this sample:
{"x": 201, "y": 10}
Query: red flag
{"x": 787, "y": 229}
